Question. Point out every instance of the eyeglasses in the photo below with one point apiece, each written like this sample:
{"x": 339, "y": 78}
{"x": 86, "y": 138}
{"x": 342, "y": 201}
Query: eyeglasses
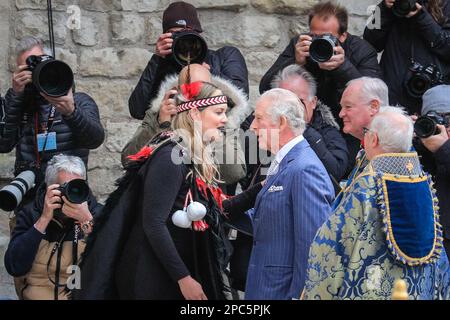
{"x": 365, "y": 130}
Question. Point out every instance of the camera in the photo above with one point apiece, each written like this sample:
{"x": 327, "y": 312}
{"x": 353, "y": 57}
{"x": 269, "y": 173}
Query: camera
{"x": 75, "y": 191}
{"x": 322, "y": 47}
{"x": 402, "y": 8}
{"x": 12, "y": 194}
{"x": 188, "y": 47}
{"x": 426, "y": 126}
{"x": 50, "y": 76}
{"x": 420, "y": 79}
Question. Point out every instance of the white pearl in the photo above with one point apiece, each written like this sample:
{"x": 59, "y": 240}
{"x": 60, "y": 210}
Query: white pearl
{"x": 196, "y": 211}
{"x": 180, "y": 219}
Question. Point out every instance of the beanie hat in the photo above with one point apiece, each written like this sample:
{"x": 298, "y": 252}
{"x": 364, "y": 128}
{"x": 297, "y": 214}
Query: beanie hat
{"x": 181, "y": 14}
{"x": 436, "y": 99}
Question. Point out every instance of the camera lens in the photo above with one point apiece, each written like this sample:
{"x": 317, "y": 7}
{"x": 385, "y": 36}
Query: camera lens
{"x": 189, "y": 47}
{"x": 76, "y": 191}
{"x": 425, "y": 127}
{"x": 419, "y": 84}
{"x": 321, "y": 49}
{"x": 53, "y": 77}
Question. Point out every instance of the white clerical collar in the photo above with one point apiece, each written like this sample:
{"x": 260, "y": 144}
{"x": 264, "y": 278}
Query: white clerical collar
{"x": 287, "y": 147}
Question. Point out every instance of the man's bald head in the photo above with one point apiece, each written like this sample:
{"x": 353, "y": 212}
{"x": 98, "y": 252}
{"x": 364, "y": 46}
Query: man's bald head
{"x": 198, "y": 73}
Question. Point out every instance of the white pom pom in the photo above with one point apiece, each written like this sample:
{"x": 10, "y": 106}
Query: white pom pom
{"x": 180, "y": 219}
{"x": 196, "y": 211}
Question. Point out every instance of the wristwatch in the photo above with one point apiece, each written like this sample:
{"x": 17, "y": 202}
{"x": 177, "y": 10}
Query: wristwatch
{"x": 87, "y": 226}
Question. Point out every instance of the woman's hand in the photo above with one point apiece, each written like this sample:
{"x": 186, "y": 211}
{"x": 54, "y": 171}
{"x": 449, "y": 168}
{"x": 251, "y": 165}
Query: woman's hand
{"x": 191, "y": 289}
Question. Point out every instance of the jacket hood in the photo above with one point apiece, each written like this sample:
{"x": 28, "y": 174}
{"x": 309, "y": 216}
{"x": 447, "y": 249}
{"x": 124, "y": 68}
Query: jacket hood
{"x": 325, "y": 113}
{"x": 235, "y": 115}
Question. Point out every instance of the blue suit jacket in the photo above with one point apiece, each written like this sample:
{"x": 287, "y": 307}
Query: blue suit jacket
{"x": 289, "y": 210}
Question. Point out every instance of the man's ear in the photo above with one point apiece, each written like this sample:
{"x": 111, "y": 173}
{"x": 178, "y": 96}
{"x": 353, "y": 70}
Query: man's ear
{"x": 283, "y": 123}
{"x": 374, "y": 107}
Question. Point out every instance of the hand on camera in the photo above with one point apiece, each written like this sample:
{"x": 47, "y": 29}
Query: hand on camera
{"x": 78, "y": 212}
{"x": 413, "y": 13}
{"x": 302, "y": 49}
{"x": 435, "y": 142}
{"x": 164, "y": 45}
{"x": 52, "y": 201}
{"x": 64, "y": 105}
{"x": 336, "y": 60}
{"x": 21, "y": 77}
{"x": 168, "y": 107}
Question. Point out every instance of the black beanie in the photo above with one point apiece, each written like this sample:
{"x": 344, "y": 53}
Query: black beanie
{"x": 181, "y": 14}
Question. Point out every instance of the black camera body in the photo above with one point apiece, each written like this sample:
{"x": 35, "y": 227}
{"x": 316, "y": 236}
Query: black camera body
{"x": 402, "y": 8}
{"x": 426, "y": 126}
{"x": 50, "y": 76}
{"x": 75, "y": 191}
{"x": 420, "y": 78}
{"x": 322, "y": 47}
{"x": 188, "y": 47}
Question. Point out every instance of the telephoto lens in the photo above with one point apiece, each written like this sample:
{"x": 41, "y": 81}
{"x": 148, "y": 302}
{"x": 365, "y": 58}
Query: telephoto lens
{"x": 188, "y": 47}
{"x": 50, "y": 76}
{"x": 12, "y": 194}
{"x": 322, "y": 47}
{"x": 426, "y": 126}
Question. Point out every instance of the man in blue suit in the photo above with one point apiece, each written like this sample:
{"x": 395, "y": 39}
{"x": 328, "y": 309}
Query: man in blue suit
{"x": 294, "y": 202}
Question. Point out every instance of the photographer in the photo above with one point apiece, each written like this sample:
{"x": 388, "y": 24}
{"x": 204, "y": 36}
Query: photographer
{"x": 352, "y": 58}
{"x": 421, "y": 34}
{"x": 40, "y": 126}
{"x": 226, "y": 62}
{"x": 435, "y": 152}
{"x": 48, "y": 237}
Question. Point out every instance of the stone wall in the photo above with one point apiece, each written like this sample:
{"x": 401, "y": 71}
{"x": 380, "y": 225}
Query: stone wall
{"x": 116, "y": 39}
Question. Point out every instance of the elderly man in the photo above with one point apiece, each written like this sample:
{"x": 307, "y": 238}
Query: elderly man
{"x": 49, "y": 236}
{"x": 322, "y": 131}
{"x": 294, "y": 201}
{"x": 360, "y": 102}
{"x": 385, "y": 228}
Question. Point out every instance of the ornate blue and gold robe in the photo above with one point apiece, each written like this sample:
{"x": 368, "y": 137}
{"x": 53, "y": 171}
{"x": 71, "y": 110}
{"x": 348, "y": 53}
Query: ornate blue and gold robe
{"x": 385, "y": 228}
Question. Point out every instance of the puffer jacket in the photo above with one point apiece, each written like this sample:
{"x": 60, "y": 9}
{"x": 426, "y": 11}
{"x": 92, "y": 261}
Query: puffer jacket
{"x": 29, "y": 255}
{"x": 75, "y": 134}
{"x": 227, "y": 63}
{"x": 230, "y": 173}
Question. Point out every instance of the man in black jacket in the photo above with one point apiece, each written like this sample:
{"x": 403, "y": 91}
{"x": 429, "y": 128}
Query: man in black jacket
{"x": 435, "y": 153}
{"x": 227, "y": 62}
{"x": 353, "y": 58}
{"x": 40, "y": 126}
{"x": 424, "y": 36}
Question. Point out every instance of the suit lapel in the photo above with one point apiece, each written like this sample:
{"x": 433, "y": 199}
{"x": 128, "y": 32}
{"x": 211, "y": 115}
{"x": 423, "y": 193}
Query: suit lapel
{"x": 292, "y": 154}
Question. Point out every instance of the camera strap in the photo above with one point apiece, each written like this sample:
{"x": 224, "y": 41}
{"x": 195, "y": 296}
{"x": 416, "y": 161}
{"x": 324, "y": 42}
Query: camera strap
{"x": 48, "y": 127}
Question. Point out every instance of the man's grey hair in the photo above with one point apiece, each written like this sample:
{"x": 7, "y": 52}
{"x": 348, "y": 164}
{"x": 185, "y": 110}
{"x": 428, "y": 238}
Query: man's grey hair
{"x": 286, "y": 104}
{"x": 373, "y": 89}
{"x": 64, "y": 163}
{"x": 394, "y": 129}
{"x": 294, "y": 70}
{"x": 29, "y": 42}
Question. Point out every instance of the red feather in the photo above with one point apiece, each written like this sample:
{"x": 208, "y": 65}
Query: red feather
{"x": 142, "y": 155}
{"x": 191, "y": 90}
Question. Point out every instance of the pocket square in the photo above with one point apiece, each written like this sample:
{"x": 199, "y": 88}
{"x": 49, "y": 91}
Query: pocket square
{"x": 275, "y": 188}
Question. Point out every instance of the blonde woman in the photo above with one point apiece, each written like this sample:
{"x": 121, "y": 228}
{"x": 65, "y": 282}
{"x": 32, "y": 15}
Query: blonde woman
{"x": 164, "y": 258}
